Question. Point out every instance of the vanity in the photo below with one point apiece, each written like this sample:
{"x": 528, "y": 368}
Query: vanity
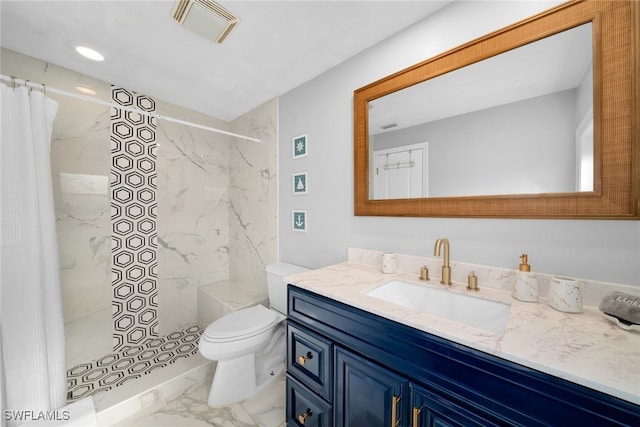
{"x": 357, "y": 360}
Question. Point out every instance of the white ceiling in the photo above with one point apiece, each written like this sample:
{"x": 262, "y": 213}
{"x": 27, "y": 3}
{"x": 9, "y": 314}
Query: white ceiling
{"x": 277, "y": 46}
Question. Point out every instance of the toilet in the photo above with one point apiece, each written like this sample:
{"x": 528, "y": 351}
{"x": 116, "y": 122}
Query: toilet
{"x": 249, "y": 344}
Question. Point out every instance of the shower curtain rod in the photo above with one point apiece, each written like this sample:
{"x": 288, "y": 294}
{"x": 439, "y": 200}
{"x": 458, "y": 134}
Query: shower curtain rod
{"x": 27, "y": 83}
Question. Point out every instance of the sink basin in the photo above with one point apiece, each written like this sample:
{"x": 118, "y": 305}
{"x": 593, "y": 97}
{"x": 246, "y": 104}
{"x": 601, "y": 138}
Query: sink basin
{"x": 489, "y": 315}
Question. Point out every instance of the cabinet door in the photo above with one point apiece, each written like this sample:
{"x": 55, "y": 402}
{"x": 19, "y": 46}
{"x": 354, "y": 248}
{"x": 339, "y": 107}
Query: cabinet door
{"x": 430, "y": 409}
{"x": 366, "y": 394}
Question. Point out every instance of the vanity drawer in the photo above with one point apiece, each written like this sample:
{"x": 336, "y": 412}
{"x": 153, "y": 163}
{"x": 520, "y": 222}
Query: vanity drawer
{"x": 305, "y": 408}
{"x": 309, "y": 359}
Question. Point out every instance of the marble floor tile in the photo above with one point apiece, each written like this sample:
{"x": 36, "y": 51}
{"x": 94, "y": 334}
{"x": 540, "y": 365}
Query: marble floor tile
{"x": 265, "y": 409}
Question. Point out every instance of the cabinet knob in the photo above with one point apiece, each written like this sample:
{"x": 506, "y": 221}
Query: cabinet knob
{"x": 303, "y": 417}
{"x": 303, "y": 359}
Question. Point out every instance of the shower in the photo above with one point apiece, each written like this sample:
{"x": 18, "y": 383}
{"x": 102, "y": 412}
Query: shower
{"x": 151, "y": 201}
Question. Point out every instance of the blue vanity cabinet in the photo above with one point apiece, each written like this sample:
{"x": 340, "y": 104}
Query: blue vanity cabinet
{"x": 310, "y": 359}
{"x": 430, "y": 409}
{"x": 368, "y": 394}
{"x": 309, "y": 381}
{"x": 370, "y": 360}
{"x": 305, "y": 408}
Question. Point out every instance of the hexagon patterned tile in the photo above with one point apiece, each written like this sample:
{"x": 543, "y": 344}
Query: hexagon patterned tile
{"x": 131, "y": 362}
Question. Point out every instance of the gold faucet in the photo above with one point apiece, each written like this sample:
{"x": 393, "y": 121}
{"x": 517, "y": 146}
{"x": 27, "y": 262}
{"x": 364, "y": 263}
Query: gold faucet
{"x": 446, "y": 269}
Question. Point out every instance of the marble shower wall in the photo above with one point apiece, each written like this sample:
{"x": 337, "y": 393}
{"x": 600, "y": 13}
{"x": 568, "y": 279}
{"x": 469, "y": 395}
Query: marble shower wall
{"x": 253, "y": 204}
{"x": 80, "y": 166}
{"x": 193, "y": 213}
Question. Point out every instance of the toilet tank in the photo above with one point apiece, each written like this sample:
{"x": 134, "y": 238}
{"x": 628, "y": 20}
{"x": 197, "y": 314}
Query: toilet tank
{"x": 276, "y": 286}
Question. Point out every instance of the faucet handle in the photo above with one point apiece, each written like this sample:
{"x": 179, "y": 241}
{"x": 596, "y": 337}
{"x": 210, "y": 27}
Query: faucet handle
{"x": 424, "y": 273}
{"x": 472, "y": 282}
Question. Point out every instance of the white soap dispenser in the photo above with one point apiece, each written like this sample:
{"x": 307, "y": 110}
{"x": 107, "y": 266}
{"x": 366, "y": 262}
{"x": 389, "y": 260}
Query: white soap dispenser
{"x": 525, "y": 287}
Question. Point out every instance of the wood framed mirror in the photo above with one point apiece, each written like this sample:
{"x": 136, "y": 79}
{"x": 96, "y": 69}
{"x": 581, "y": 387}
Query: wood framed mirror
{"x": 602, "y": 176}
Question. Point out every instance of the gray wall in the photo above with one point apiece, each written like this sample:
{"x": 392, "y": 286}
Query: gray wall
{"x": 323, "y": 108}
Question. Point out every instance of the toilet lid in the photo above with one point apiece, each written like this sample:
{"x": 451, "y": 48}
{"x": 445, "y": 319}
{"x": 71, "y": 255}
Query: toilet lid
{"x": 241, "y": 323}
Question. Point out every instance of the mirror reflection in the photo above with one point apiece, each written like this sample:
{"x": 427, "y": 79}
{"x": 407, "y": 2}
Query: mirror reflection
{"x": 518, "y": 123}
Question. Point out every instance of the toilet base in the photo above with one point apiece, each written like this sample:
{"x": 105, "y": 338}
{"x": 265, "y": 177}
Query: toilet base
{"x": 239, "y": 378}
{"x": 235, "y": 380}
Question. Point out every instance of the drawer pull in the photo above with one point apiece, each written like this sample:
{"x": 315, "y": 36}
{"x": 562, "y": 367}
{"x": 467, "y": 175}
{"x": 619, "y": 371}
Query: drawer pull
{"x": 303, "y": 359}
{"x": 416, "y": 416}
{"x": 394, "y": 410}
{"x": 303, "y": 417}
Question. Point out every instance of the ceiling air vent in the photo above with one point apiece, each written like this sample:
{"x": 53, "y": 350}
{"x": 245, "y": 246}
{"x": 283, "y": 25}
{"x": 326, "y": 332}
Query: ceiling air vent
{"x": 205, "y": 18}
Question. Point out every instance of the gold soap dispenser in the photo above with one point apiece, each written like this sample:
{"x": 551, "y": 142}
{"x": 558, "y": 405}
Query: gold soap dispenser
{"x": 525, "y": 286}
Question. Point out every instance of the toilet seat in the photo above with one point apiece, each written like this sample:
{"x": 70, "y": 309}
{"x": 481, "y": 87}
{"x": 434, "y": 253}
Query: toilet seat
{"x": 240, "y": 324}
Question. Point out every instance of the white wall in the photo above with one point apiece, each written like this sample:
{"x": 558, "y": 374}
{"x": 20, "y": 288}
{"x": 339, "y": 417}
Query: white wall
{"x": 323, "y": 108}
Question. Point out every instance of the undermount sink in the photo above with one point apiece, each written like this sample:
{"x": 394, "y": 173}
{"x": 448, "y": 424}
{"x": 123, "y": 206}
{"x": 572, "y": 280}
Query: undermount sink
{"x": 480, "y": 313}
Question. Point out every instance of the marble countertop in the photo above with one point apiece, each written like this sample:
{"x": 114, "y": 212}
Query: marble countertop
{"x": 583, "y": 348}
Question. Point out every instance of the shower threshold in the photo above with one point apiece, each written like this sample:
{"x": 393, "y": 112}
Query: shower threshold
{"x": 152, "y": 392}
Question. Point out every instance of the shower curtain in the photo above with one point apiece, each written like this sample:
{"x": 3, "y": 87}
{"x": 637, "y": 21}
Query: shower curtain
{"x": 32, "y": 340}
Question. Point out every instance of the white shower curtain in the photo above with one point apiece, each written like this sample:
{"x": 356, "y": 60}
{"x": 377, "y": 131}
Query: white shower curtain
{"x": 32, "y": 341}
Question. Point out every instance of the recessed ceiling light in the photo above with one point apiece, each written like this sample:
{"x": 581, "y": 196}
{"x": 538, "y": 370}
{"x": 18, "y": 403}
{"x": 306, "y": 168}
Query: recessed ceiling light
{"x": 90, "y": 53}
{"x": 85, "y": 90}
